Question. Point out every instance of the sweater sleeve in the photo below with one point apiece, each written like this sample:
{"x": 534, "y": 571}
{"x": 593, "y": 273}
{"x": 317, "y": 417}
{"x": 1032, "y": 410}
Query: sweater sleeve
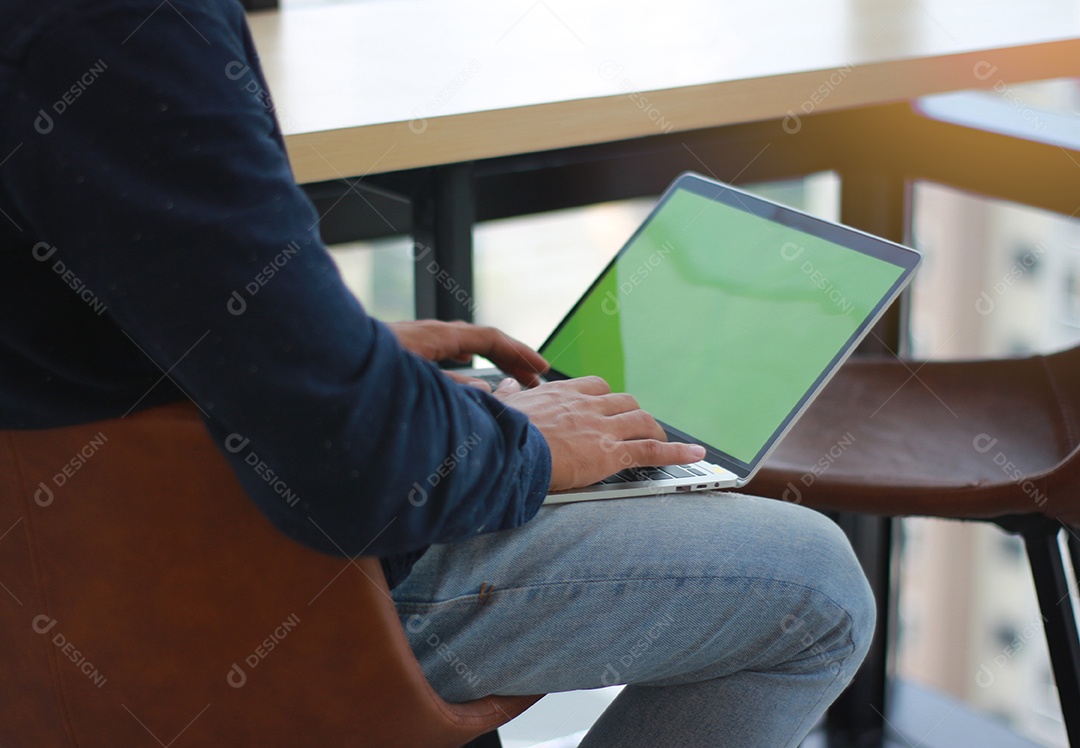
{"x": 163, "y": 187}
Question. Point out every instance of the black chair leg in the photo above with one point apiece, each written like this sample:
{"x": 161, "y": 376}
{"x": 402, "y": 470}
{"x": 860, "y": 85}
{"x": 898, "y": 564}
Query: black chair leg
{"x": 1052, "y": 589}
{"x": 488, "y": 740}
{"x": 1074, "y": 550}
{"x": 856, "y": 719}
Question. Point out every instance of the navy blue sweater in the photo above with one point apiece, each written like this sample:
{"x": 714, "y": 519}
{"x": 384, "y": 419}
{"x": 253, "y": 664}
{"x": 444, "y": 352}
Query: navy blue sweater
{"x": 149, "y": 223}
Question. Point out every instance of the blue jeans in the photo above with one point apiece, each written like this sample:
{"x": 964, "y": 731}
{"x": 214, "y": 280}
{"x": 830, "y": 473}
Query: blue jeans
{"x": 735, "y": 620}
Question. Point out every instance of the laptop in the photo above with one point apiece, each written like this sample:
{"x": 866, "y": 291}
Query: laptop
{"x": 724, "y": 315}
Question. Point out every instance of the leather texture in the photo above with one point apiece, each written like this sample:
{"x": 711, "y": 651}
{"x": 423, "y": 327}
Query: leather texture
{"x": 963, "y": 439}
{"x": 147, "y": 602}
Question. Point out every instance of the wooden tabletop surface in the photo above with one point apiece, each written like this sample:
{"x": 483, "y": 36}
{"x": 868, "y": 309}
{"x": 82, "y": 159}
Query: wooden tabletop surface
{"x": 380, "y": 85}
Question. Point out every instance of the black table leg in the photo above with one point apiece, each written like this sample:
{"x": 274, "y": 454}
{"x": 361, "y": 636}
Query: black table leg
{"x": 444, "y": 211}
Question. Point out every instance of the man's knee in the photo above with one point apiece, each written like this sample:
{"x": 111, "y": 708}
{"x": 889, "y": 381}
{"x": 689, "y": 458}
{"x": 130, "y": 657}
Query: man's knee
{"x": 845, "y": 610}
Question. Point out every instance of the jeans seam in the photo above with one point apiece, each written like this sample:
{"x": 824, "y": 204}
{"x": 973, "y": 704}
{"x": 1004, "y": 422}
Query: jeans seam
{"x": 472, "y": 598}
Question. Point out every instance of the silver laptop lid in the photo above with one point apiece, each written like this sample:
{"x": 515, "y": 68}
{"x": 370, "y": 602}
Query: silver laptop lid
{"x": 725, "y": 314}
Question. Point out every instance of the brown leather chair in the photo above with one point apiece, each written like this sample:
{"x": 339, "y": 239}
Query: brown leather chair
{"x": 145, "y": 601}
{"x": 995, "y": 440}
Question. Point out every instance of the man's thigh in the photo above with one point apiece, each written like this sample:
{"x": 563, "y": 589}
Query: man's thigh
{"x": 656, "y": 590}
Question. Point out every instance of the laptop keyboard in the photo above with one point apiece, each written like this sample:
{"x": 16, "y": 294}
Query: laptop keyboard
{"x": 642, "y": 474}
{"x": 492, "y": 379}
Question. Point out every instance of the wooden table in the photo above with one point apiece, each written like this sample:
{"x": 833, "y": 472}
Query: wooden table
{"x": 383, "y": 86}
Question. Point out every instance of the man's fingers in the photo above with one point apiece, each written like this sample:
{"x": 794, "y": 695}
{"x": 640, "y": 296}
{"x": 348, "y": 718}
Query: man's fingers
{"x": 585, "y": 385}
{"x": 635, "y": 424}
{"x": 460, "y": 341}
{"x": 649, "y": 452}
{"x": 616, "y": 403}
{"x": 509, "y": 354}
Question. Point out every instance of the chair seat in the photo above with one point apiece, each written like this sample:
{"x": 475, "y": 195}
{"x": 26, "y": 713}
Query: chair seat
{"x": 143, "y": 597}
{"x": 968, "y": 439}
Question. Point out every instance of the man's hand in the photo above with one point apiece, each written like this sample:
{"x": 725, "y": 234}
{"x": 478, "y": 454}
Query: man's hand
{"x": 593, "y": 432}
{"x": 460, "y": 341}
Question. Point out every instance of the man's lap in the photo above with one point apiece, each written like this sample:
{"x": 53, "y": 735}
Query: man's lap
{"x": 659, "y": 590}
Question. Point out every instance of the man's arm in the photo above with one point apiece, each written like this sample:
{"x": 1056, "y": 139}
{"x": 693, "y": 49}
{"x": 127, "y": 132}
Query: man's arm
{"x": 164, "y": 189}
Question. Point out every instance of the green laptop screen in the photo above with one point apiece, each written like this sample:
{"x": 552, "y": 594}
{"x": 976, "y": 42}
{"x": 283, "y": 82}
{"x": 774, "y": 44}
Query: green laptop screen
{"x": 720, "y": 320}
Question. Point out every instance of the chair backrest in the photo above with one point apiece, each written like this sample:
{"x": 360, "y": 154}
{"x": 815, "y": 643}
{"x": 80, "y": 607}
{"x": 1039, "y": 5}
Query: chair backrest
{"x": 144, "y": 600}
